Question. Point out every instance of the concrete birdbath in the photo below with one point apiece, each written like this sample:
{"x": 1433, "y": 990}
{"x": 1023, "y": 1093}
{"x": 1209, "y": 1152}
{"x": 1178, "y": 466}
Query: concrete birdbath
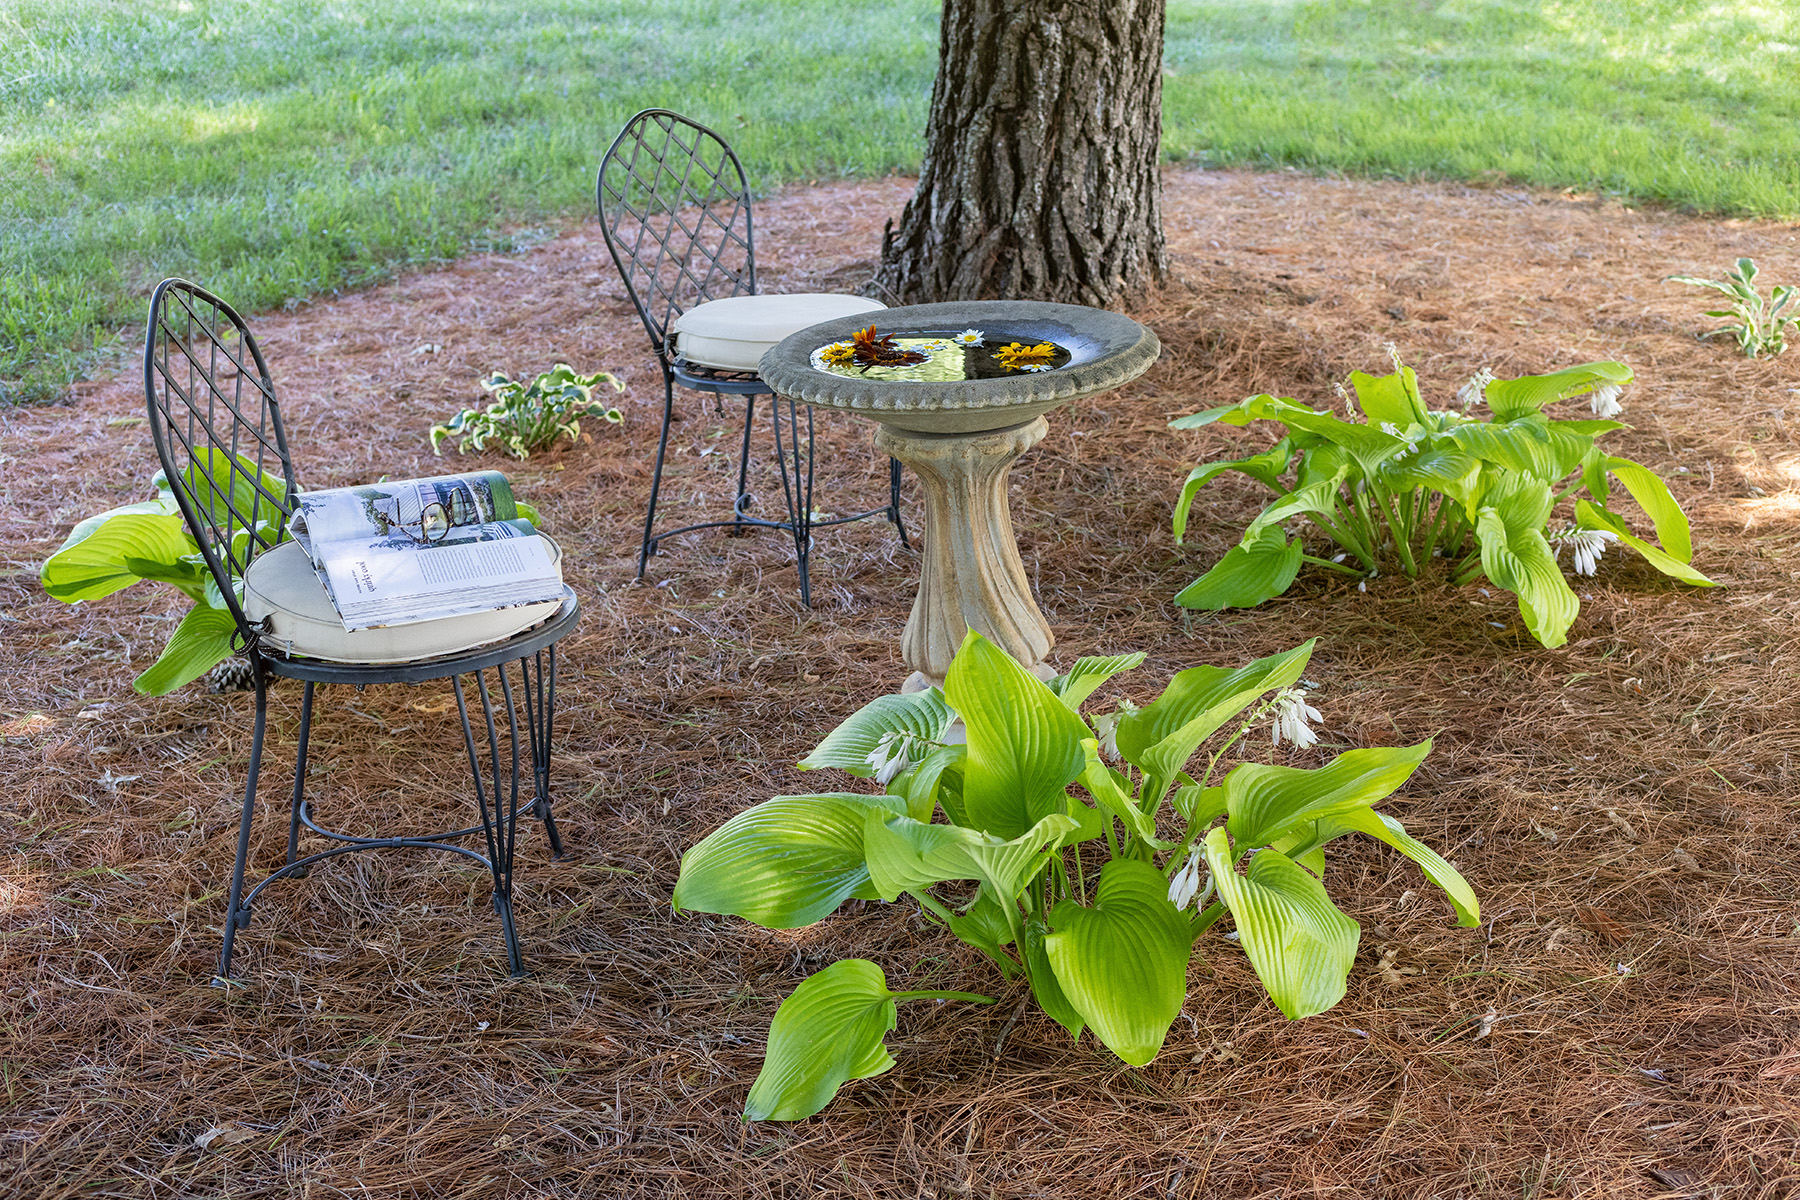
{"x": 959, "y": 391}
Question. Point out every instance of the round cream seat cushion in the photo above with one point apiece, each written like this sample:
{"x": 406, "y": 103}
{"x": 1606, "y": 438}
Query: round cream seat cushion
{"x": 282, "y": 587}
{"x": 731, "y": 334}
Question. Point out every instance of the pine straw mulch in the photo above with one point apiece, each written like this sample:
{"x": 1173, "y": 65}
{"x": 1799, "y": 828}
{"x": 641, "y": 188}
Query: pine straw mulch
{"x": 1623, "y": 805}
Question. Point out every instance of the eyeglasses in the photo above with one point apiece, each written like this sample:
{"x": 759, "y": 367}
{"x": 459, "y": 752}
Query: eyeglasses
{"x": 433, "y": 525}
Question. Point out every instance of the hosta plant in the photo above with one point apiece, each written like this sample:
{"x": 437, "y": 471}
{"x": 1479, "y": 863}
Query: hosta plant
{"x": 1760, "y": 327}
{"x": 1407, "y": 484}
{"x": 149, "y": 541}
{"x": 1094, "y": 897}
{"x": 524, "y": 417}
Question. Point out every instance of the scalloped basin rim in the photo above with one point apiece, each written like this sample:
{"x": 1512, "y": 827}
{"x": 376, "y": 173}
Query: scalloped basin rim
{"x": 1107, "y": 349}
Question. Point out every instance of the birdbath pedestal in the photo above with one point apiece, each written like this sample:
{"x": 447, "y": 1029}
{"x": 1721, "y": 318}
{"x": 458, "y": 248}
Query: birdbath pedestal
{"x": 961, "y": 435}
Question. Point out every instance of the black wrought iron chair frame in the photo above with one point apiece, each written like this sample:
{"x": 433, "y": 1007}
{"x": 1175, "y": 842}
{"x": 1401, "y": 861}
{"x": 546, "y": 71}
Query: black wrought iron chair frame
{"x": 645, "y": 183}
{"x": 188, "y": 360}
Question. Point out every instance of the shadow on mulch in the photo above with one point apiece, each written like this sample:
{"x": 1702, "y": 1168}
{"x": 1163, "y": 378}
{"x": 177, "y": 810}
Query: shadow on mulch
{"x": 1623, "y": 805}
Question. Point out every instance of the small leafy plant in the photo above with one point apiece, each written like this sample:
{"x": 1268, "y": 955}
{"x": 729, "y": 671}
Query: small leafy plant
{"x": 1409, "y": 484}
{"x": 150, "y": 541}
{"x": 1759, "y": 328}
{"x": 524, "y": 417}
{"x": 1096, "y": 899}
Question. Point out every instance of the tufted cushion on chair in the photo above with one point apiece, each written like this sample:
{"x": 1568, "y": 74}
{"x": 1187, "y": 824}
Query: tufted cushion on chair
{"x": 731, "y": 334}
{"x": 282, "y": 586}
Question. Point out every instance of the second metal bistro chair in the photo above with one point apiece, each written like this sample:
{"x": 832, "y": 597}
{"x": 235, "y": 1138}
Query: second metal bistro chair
{"x": 675, "y": 211}
{"x": 224, "y": 452}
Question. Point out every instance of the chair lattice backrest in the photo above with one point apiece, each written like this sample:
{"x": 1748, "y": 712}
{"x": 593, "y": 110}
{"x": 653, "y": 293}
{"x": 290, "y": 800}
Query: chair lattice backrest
{"x": 675, "y": 211}
{"x": 217, "y": 429}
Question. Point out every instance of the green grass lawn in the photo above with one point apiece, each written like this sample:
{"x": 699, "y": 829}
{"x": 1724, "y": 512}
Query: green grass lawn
{"x": 291, "y": 147}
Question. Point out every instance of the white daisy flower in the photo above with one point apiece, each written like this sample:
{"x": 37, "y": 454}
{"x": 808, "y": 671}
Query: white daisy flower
{"x": 1036, "y": 367}
{"x": 889, "y": 757}
{"x": 969, "y": 337}
{"x": 1292, "y": 713}
{"x": 1474, "y": 390}
{"x": 1605, "y": 402}
{"x": 1186, "y": 884}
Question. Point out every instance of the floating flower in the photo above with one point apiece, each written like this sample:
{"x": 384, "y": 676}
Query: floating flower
{"x": 1586, "y": 546}
{"x": 934, "y": 345}
{"x": 879, "y": 350}
{"x": 1035, "y": 367}
{"x": 1018, "y": 356}
{"x": 969, "y": 337}
{"x": 1186, "y": 884}
{"x": 1605, "y": 403}
{"x": 890, "y": 757}
{"x": 838, "y": 354}
{"x": 1475, "y": 390}
{"x": 1292, "y": 713}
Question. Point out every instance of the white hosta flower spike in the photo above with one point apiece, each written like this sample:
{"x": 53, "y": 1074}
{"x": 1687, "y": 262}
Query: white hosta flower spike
{"x": 889, "y": 757}
{"x": 1186, "y": 884}
{"x": 1605, "y": 403}
{"x": 969, "y": 337}
{"x": 1393, "y": 352}
{"x": 1586, "y": 546}
{"x": 1292, "y": 713}
{"x": 1475, "y": 390}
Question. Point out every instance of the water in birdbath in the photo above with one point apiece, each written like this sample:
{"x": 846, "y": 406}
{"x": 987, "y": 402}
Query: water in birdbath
{"x": 932, "y": 356}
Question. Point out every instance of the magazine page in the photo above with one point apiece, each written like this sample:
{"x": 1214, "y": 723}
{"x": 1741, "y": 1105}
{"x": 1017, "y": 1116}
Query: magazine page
{"x": 474, "y": 568}
{"x": 380, "y": 509}
{"x": 404, "y": 551}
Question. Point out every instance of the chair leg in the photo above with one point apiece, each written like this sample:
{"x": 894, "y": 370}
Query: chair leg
{"x": 237, "y": 917}
{"x": 796, "y": 487}
{"x": 500, "y": 825}
{"x": 540, "y": 719}
{"x": 647, "y": 547}
{"x": 742, "y": 500}
{"x": 894, "y": 501}
{"x": 299, "y": 799}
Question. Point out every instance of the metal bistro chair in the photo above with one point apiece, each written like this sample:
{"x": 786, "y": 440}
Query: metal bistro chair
{"x": 218, "y": 432}
{"x": 675, "y": 211}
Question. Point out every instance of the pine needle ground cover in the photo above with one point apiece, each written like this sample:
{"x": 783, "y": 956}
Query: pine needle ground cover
{"x": 1622, "y": 1023}
{"x": 291, "y": 148}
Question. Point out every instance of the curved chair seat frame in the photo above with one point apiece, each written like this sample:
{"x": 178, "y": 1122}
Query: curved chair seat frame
{"x": 674, "y": 208}
{"x": 213, "y": 414}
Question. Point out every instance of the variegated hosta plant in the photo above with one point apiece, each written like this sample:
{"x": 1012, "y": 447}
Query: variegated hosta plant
{"x": 1408, "y": 484}
{"x": 1096, "y": 896}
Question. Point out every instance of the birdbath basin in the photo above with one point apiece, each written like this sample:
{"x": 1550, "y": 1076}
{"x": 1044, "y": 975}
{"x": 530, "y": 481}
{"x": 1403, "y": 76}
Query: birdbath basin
{"x": 960, "y": 416}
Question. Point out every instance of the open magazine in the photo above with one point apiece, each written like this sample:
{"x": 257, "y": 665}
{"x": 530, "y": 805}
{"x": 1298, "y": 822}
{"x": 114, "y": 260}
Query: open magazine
{"x": 419, "y": 549}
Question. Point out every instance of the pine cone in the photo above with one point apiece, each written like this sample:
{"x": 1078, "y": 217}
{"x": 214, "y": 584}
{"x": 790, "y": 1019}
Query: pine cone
{"x": 232, "y": 675}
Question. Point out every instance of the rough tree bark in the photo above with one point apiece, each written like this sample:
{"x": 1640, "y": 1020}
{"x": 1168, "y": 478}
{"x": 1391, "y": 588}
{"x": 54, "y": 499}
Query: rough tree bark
{"x": 1040, "y": 178}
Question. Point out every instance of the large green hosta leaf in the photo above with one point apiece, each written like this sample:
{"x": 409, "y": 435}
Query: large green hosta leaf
{"x": 1592, "y": 516}
{"x": 1024, "y": 743}
{"x": 1089, "y": 673}
{"x": 1390, "y": 399}
{"x": 1447, "y": 469}
{"x": 785, "y": 863}
{"x": 1530, "y": 445}
{"x": 1653, "y": 497}
{"x": 201, "y": 642}
{"x": 1247, "y": 575}
{"x": 93, "y": 559}
{"x": 1044, "y": 984}
{"x": 1300, "y": 945}
{"x": 1510, "y": 398}
{"x": 848, "y": 746}
{"x": 1384, "y": 828}
{"x": 905, "y": 855}
{"x": 1265, "y": 468}
{"x": 1318, "y": 497}
{"x": 1161, "y": 737}
{"x": 825, "y": 1034}
{"x": 1510, "y": 529}
{"x": 1122, "y": 964}
{"x": 1266, "y": 802}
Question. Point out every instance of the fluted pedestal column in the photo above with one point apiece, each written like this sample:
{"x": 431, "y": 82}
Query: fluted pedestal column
{"x": 971, "y": 576}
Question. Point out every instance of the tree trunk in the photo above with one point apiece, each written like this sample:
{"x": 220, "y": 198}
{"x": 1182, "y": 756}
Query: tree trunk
{"x": 1040, "y": 179}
